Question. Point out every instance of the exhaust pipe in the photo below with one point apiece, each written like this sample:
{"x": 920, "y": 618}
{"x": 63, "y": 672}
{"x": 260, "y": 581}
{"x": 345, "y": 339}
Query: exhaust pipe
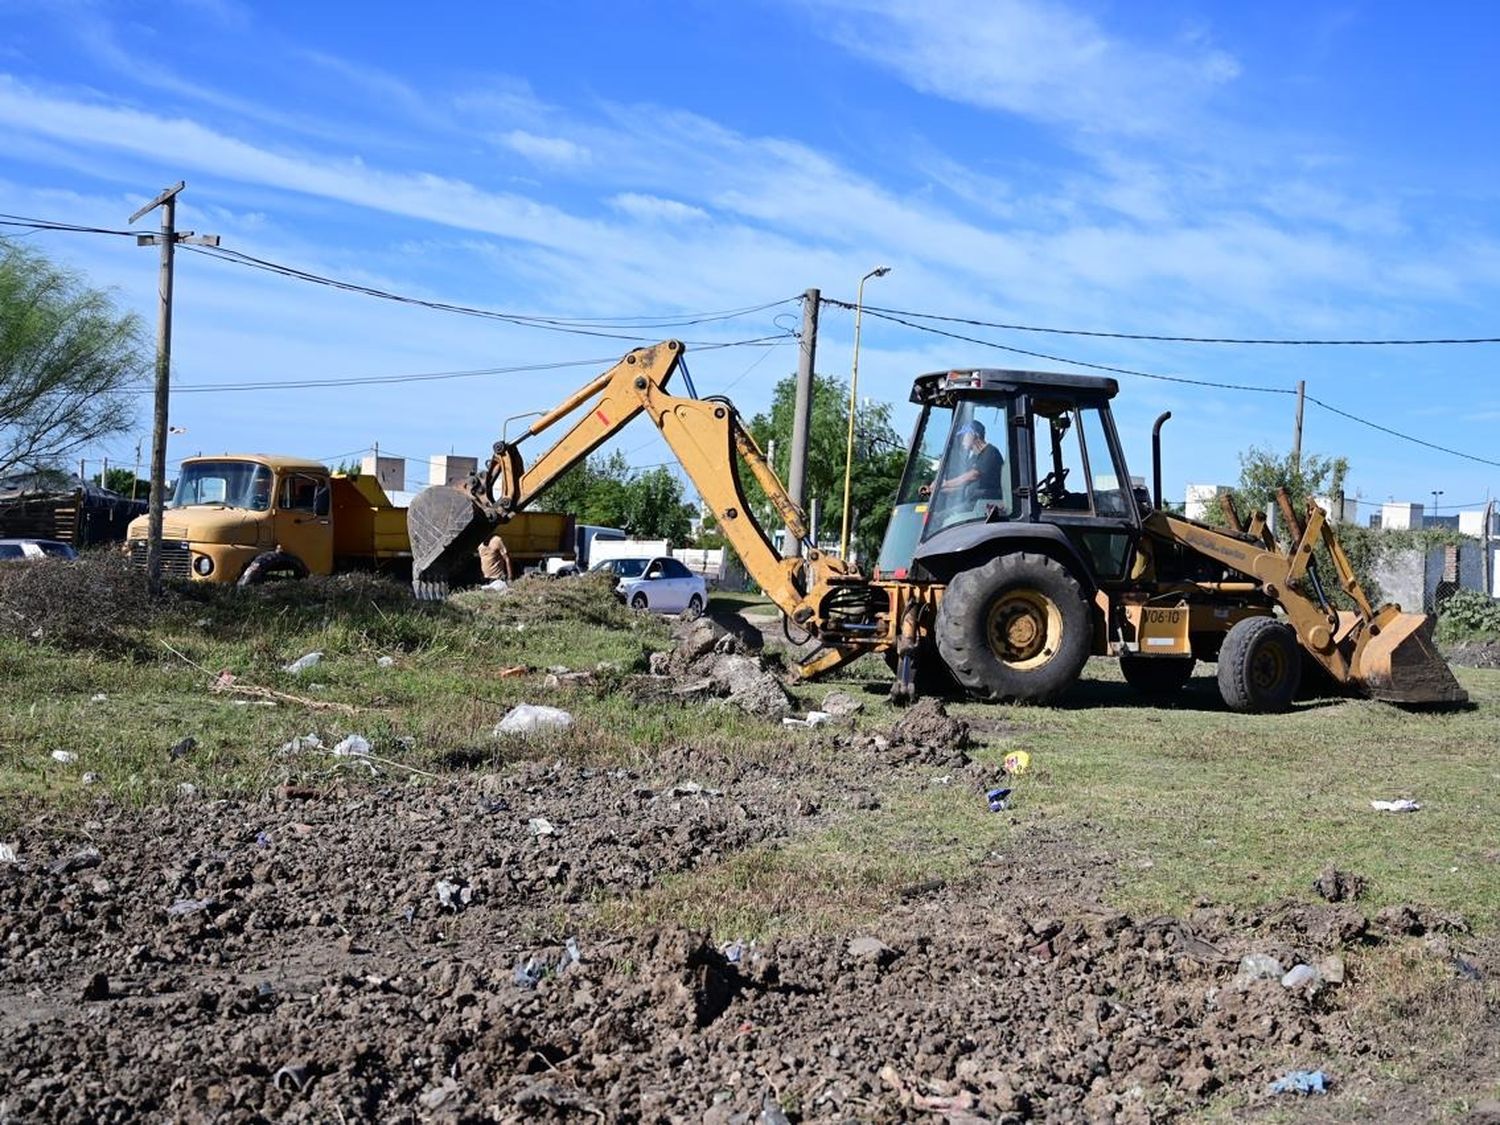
{"x": 1156, "y": 459}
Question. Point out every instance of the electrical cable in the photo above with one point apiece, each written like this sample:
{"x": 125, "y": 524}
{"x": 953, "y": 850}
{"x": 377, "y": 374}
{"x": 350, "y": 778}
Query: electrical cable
{"x": 1160, "y": 338}
{"x": 1399, "y": 434}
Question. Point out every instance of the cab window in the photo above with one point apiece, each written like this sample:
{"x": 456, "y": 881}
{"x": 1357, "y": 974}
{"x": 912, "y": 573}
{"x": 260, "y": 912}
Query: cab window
{"x": 299, "y": 492}
{"x": 975, "y": 479}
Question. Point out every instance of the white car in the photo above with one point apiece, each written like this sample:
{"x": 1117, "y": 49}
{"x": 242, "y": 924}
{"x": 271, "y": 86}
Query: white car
{"x": 662, "y": 584}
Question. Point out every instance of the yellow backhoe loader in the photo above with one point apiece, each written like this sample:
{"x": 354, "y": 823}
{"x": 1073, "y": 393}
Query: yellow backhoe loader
{"x": 1016, "y": 549}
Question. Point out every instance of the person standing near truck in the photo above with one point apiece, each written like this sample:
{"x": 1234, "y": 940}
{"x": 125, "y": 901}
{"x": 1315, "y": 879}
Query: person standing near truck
{"x": 494, "y": 560}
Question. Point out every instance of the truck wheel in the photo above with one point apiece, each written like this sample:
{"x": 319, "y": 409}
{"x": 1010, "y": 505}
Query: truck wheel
{"x": 1260, "y": 666}
{"x": 638, "y": 602}
{"x": 271, "y": 567}
{"x": 1016, "y": 628}
{"x": 1156, "y": 675}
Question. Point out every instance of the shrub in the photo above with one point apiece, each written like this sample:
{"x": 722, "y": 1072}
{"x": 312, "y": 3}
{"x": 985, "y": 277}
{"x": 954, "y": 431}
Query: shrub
{"x": 98, "y": 602}
{"x": 1468, "y": 615}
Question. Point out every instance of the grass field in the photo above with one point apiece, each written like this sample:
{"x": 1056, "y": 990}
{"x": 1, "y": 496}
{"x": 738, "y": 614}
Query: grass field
{"x": 1195, "y": 803}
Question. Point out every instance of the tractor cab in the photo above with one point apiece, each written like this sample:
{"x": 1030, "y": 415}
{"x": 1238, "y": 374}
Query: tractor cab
{"x": 1006, "y": 454}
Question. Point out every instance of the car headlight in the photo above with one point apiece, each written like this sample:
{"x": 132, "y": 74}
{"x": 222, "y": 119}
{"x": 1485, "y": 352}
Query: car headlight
{"x": 203, "y": 566}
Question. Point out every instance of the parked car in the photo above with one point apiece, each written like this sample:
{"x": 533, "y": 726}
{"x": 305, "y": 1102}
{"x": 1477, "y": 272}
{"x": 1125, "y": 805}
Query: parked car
{"x": 661, "y": 584}
{"x": 12, "y": 549}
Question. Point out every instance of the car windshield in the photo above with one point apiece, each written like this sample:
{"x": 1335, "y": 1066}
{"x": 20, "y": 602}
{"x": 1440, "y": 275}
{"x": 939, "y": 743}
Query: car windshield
{"x": 624, "y": 568}
{"x": 57, "y": 550}
{"x": 231, "y": 484}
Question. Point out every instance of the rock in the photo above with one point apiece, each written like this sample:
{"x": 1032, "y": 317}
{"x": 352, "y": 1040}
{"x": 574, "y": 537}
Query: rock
{"x": 771, "y": 1113}
{"x": 182, "y": 748}
{"x": 1331, "y": 969}
{"x": 446, "y": 1091}
{"x": 1257, "y": 966}
{"x": 1303, "y": 978}
{"x": 867, "y": 948}
{"x": 97, "y": 988}
{"x": 452, "y": 895}
{"x": 840, "y": 704}
{"x": 659, "y": 663}
{"x": 1339, "y": 886}
{"x": 1401, "y": 921}
{"x": 387, "y": 662}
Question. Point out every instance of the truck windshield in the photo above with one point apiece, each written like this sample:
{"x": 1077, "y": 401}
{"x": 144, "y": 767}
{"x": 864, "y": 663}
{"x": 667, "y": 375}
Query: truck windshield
{"x": 231, "y": 484}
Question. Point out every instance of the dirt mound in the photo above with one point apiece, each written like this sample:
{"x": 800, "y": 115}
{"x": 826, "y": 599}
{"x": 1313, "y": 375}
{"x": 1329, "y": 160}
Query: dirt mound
{"x": 926, "y": 733}
{"x": 708, "y": 659}
{"x": 98, "y": 602}
{"x": 1474, "y": 654}
{"x": 588, "y": 599}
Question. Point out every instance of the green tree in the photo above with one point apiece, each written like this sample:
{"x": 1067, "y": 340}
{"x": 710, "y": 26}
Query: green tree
{"x": 124, "y": 481}
{"x": 608, "y": 492}
{"x": 68, "y": 360}
{"x": 879, "y": 457}
{"x": 1263, "y": 471}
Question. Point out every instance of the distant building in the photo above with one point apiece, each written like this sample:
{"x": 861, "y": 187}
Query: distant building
{"x": 1202, "y": 499}
{"x": 1398, "y": 515}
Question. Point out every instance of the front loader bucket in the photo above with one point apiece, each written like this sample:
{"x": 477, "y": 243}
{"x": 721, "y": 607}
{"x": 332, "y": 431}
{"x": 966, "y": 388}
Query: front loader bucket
{"x": 446, "y": 528}
{"x": 1400, "y": 664}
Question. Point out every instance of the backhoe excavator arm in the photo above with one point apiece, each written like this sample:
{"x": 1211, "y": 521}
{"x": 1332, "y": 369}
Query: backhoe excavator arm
{"x": 706, "y": 436}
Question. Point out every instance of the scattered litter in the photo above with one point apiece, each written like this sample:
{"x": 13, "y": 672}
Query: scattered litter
{"x": 187, "y": 789}
{"x": 1302, "y": 977}
{"x": 252, "y": 703}
{"x": 493, "y": 805}
{"x": 262, "y": 839}
{"x": 8, "y": 854}
{"x": 188, "y": 906}
{"x": 291, "y": 1079}
{"x": 528, "y": 975}
{"x": 541, "y": 826}
{"x": 1300, "y": 1082}
{"x": 1017, "y": 761}
{"x": 528, "y": 718}
{"x": 998, "y": 799}
{"x": 99, "y": 698}
{"x": 386, "y": 661}
{"x": 301, "y": 743}
{"x": 78, "y": 861}
{"x": 1401, "y": 805}
{"x": 499, "y": 586}
{"x": 303, "y": 663}
{"x": 692, "y": 789}
{"x": 943, "y": 779}
{"x": 90, "y": 778}
{"x": 182, "y": 748}
{"x": 355, "y": 746}
{"x": 64, "y": 757}
{"x": 733, "y": 952}
{"x": 570, "y": 956}
{"x": 1258, "y": 966}
{"x": 513, "y": 671}
{"x": 453, "y": 896}
{"x": 814, "y": 719}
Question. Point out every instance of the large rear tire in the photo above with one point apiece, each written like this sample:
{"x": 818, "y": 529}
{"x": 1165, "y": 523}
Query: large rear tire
{"x": 1260, "y": 666}
{"x": 1157, "y": 675}
{"x": 1017, "y": 628}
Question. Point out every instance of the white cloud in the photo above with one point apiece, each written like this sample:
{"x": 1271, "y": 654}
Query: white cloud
{"x": 545, "y": 150}
{"x": 1037, "y": 60}
{"x": 653, "y": 208}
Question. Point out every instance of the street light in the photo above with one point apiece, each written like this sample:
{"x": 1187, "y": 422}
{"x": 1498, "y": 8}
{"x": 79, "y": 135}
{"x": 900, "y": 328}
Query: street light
{"x": 859, "y": 302}
{"x": 1436, "y": 492}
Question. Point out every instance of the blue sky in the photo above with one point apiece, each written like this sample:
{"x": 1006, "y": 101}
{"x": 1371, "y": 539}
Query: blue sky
{"x": 1272, "y": 170}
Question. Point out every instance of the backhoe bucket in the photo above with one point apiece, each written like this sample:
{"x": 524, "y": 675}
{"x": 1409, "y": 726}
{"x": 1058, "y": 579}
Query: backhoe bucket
{"x": 446, "y": 528}
{"x": 1400, "y": 664}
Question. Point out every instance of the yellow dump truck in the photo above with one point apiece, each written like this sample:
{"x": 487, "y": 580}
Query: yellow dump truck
{"x": 250, "y": 517}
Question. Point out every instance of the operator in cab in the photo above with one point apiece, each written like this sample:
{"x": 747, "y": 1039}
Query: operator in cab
{"x": 983, "y": 474}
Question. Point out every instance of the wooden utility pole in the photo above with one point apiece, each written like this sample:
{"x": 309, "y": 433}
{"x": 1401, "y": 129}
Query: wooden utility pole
{"x": 1297, "y": 432}
{"x": 802, "y": 412}
{"x": 167, "y": 240}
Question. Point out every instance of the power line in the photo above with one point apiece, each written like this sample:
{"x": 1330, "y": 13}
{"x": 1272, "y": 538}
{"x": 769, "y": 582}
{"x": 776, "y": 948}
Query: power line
{"x": 1080, "y": 362}
{"x": 1399, "y": 434}
{"x": 1159, "y": 338}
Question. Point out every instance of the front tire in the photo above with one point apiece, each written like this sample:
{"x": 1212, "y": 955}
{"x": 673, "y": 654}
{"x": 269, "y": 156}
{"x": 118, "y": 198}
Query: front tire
{"x": 1017, "y": 628}
{"x": 694, "y": 606}
{"x": 638, "y": 601}
{"x": 1260, "y": 666}
{"x": 273, "y": 566}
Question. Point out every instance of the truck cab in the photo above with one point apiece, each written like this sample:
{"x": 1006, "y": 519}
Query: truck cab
{"x": 227, "y": 512}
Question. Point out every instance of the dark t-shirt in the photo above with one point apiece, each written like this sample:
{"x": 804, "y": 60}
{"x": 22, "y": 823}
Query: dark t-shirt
{"x": 990, "y": 483}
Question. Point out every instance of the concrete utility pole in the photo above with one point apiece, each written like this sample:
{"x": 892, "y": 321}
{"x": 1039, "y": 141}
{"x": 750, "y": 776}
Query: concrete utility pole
{"x": 167, "y": 240}
{"x": 1297, "y": 433}
{"x": 796, "y": 484}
